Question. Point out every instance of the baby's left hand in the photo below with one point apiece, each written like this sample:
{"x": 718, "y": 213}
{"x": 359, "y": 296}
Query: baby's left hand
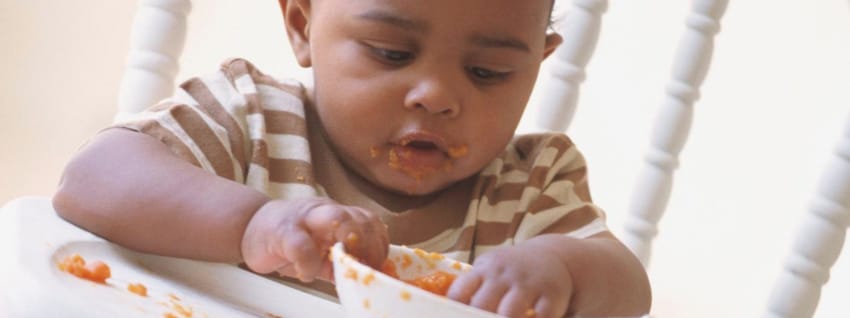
{"x": 525, "y": 280}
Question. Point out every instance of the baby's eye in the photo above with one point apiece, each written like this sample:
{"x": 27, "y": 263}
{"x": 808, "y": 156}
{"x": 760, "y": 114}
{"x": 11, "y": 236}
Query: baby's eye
{"x": 485, "y": 75}
{"x": 392, "y": 56}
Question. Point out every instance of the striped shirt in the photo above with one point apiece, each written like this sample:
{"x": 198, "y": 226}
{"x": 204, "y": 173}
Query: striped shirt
{"x": 243, "y": 125}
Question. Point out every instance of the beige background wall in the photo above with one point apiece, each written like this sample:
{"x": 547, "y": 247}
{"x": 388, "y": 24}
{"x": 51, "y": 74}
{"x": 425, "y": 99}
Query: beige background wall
{"x": 772, "y": 109}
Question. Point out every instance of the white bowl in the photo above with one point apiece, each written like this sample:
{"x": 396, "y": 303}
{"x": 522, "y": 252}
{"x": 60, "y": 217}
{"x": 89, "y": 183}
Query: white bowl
{"x": 366, "y": 292}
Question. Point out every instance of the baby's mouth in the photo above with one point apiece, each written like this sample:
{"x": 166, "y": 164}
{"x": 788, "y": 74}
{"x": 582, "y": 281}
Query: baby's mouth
{"x": 420, "y": 145}
{"x": 417, "y": 154}
{"x": 453, "y": 152}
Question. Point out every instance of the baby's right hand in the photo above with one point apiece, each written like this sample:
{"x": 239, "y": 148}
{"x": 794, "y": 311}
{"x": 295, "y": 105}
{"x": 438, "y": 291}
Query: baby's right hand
{"x": 293, "y": 237}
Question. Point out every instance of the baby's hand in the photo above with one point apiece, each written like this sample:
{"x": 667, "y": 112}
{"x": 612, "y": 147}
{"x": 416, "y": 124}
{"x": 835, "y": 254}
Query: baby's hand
{"x": 516, "y": 281}
{"x": 294, "y": 237}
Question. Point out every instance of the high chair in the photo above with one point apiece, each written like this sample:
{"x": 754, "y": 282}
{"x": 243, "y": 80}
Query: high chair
{"x": 157, "y": 39}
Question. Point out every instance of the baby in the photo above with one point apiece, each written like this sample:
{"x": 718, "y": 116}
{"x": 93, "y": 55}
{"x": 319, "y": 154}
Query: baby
{"x": 406, "y": 136}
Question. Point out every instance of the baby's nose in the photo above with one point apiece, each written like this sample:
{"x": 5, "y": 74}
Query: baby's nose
{"x": 435, "y": 97}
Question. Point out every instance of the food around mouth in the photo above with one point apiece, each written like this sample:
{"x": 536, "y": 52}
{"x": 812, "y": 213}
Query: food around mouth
{"x": 405, "y": 161}
{"x": 419, "y": 159}
{"x": 458, "y": 151}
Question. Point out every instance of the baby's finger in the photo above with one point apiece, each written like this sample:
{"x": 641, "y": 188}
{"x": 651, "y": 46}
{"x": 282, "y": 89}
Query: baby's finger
{"x": 489, "y": 296}
{"x": 300, "y": 249}
{"x": 464, "y": 287}
{"x": 327, "y": 271}
{"x": 323, "y": 221}
{"x": 548, "y": 307}
{"x": 287, "y": 270}
{"x": 359, "y": 241}
{"x": 335, "y": 223}
{"x": 517, "y": 303}
{"x": 275, "y": 253}
{"x": 373, "y": 246}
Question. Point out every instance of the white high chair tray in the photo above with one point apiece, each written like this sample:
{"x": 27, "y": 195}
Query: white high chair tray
{"x": 34, "y": 240}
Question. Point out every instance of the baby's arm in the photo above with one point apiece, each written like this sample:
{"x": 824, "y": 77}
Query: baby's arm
{"x": 554, "y": 275}
{"x": 131, "y": 189}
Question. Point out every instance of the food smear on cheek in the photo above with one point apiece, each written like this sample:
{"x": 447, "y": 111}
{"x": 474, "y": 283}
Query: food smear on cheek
{"x": 95, "y": 271}
{"x": 458, "y": 151}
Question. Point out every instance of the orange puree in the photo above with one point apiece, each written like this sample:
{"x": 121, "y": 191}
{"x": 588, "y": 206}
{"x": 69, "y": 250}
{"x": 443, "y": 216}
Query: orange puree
{"x": 416, "y": 172}
{"x": 437, "y": 282}
{"x": 389, "y": 269}
{"x": 95, "y": 271}
{"x": 396, "y": 159}
{"x": 138, "y": 289}
{"x": 458, "y": 151}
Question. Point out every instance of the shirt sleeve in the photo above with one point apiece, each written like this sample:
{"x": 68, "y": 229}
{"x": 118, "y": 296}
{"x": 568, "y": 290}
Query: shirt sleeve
{"x": 200, "y": 124}
{"x": 563, "y": 204}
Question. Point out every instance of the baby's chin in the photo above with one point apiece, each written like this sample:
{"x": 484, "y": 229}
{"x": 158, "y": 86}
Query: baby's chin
{"x": 415, "y": 187}
{"x": 401, "y": 184}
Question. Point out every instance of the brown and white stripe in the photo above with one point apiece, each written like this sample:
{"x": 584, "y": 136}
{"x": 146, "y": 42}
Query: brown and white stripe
{"x": 248, "y": 127}
{"x": 539, "y": 185}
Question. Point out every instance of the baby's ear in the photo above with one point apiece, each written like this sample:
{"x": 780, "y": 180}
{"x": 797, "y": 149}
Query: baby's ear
{"x": 296, "y": 17}
{"x": 553, "y": 40}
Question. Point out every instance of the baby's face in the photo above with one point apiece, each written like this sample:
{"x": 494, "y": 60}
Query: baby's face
{"x": 416, "y": 95}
